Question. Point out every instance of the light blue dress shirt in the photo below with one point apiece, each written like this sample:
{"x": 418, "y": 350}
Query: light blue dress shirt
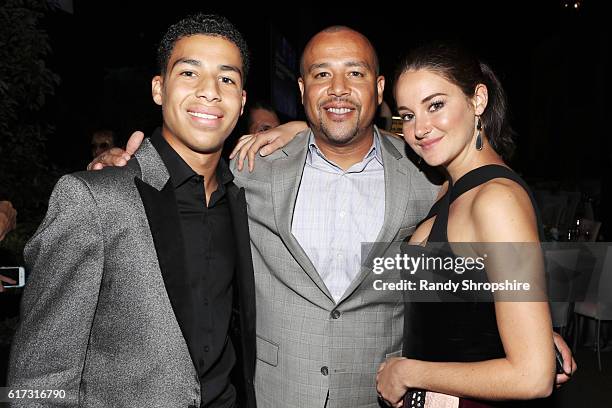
{"x": 337, "y": 210}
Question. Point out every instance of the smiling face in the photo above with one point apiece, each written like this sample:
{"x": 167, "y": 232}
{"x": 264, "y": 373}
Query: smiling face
{"x": 340, "y": 87}
{"x": 201, "y": 93}
{"x": 438, "y": 118}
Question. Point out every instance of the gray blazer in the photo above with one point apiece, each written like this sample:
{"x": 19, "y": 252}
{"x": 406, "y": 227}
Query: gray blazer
{"x": 309, "y": 349}
{"x": 96, "y": 318}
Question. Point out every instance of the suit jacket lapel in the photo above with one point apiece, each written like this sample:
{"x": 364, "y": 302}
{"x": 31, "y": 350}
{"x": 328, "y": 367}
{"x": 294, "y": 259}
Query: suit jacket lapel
{"x": 159, "y": 201}
{"x": 244, "y": 278}
{"x": 286, "y": 177}
{"x": 398, "y": 193}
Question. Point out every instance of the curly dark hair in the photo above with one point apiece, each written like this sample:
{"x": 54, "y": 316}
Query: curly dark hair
{"x": 462, "y": 68}
{"x": 206, "y": 24}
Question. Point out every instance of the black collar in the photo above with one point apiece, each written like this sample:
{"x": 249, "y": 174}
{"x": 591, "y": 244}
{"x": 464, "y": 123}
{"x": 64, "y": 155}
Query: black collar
{"x": 178, "y": 169}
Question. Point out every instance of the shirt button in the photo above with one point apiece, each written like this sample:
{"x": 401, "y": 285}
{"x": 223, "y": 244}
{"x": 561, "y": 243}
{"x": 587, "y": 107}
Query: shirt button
{"x": 324, "y": 370}
{"x": 206, "y": 349}
{"x": 342, "y": 214}
{"x": 205, "y": 301}
{"x": 335, "y": 314}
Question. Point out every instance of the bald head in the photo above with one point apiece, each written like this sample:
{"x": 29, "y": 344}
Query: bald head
{"x": 339, "y": 31}
{"x": 341, "y": 89}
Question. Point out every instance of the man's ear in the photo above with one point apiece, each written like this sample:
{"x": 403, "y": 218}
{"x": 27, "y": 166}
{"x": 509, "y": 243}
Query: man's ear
{"x": 157, "y": 85}
{"x": 380, "y": 87}
{"x": 244, "y": 94}
{"x": 301, "y": 85}
{"x": 480, "y": 99}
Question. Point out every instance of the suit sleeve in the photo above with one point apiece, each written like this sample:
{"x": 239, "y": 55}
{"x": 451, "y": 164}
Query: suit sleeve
{"x": 65, "y": 261}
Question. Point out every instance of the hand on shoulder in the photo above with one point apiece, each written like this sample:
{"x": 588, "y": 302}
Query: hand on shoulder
{"x": 265, "y": 143}
{"x": 117, "y": 157}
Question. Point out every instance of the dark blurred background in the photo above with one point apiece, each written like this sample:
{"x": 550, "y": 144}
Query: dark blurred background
{"x": 69, "y": 67}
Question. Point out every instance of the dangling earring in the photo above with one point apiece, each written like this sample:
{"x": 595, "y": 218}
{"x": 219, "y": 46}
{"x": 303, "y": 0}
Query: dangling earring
{"x": 478, "y": 136}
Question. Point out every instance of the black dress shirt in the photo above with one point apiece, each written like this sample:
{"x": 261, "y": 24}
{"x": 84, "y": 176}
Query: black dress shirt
{"x": 209, "y": 245}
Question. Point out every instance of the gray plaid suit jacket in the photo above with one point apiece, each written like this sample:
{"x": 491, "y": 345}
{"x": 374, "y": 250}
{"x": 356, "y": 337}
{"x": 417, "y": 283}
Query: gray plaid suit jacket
{"x": 312, "y": 352}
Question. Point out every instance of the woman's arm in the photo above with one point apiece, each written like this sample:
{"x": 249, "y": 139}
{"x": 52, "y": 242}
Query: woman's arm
{"x": 500, "y": 213}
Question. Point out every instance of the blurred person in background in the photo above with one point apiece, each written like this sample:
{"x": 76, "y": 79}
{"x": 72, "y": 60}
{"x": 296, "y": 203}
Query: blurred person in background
{"x": 8, "y": 220}
{"x": 261, "y": 117}
{"x": 101, "y": 141}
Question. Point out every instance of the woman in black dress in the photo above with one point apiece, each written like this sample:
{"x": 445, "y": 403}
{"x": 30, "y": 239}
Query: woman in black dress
{"x": 454, "y": 116}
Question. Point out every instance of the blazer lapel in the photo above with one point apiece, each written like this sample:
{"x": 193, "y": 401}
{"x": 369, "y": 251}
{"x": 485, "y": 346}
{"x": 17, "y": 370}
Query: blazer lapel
{"x": 159, "y": 201}
{"x": 398, "y": 193}
{"x": 286, "y": 177}
{"x": 244, "y": 278}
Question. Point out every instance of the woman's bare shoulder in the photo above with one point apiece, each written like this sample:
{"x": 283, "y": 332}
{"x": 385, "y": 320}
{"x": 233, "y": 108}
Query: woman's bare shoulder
{"x": 502, "y": 211}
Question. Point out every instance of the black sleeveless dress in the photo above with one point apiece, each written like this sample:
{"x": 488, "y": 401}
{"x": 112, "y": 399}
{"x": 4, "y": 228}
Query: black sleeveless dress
{"x": 456, "y": 332}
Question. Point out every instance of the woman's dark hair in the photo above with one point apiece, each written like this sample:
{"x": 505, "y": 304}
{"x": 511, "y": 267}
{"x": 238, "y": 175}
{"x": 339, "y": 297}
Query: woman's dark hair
{"x": 460, "y": 67}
